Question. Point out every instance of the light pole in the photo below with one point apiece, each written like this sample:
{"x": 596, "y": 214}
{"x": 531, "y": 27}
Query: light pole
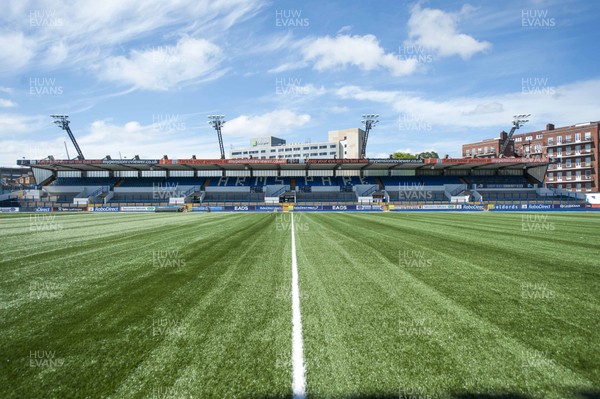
{"x": 217, "y": 122}
{"x": 518, "y": 121}
{"x": 369, "y": 120}
{"x": 63, "y": 122}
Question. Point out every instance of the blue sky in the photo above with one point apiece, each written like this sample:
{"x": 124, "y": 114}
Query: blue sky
{"x": 140, "y": 78}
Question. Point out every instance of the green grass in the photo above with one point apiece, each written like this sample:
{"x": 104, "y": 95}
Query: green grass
{"x": 408, "y": 305}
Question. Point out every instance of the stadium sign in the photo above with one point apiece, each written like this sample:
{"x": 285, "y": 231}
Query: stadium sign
{"x": 207, "y": 208}
{"x": 442, "y": 207}
{"x": 369, "y": 207}
{"x": 467, "y": 207}
{"x": 303, "y": 208}
{"x": 130, "y": 161}
{"x": 43, "y": 209}
{"x": 268, "y": 208}
{"x": 569, "y": 206}
{"x": 241, "y": 208}
{"x": 104, "y": 209}
{"x": 66, "y": 209}
{"x": 138, "y": 208}
{"x": 504, "y": 207}
{"x": 9, "y": 210}
{"x": 337, "y": 207}
{"x": 537, "y": 207}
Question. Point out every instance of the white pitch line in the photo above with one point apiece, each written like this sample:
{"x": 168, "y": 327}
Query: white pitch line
{"x": 298, "y": 379}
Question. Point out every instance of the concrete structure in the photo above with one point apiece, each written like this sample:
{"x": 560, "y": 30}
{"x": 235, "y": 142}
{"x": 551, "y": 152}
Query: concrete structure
{"x": 341, "y": 144}
{"x": 573, "y": 151}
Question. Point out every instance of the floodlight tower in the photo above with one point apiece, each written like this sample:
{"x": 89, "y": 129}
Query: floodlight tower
{"x": 518, "y": 121}
{"x": 369, "y": 120}
{"x": 217, "y": 121}
{"x": 63, "y": 122}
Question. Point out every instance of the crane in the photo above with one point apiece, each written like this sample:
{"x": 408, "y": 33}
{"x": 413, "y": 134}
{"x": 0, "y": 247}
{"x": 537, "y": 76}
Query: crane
{"x": 63, "y": 122}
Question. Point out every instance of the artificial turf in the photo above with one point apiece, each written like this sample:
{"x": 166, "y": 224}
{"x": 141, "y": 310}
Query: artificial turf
{"x": 405, "y": 305}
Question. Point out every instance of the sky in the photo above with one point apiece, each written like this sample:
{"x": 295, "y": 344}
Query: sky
{"x": 141, "y": 77}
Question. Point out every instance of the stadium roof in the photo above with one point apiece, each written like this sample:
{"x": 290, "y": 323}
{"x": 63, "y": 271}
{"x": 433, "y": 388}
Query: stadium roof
{"x": 283, "y": 164}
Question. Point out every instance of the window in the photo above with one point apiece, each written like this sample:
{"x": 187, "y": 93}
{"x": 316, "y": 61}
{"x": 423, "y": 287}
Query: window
{"x": 577, "y": 136}
{"x": 588, "y": 186}
{"x": 588, "y": 161}
{"x": 245, "y": 152}
{"x": 322, "y": 153}
{"x": 550, "y": 151}
{"x": 305, "y": 148}
{"x": 262, "y": 151}
{"x": 588, "y": 135}
{"x": 273, "y": 150}
{"x": 588, "y": 147}
{"x": 332, "y": 153}
{"x": 568, "y": 138}
{"x": 321, "y": 147}
{"x": 550, "y": 141}
{"x": 578, "y": 162}
{"x": 314, "y": 154}
{"x": 577, "y": 149}
{"x": 559, "y": 152}
{"x": 539, "y": 136}
{"x": 529, "y": 138}
{"x": 236, "y": 153}
{"x": 558, "y": 139}
{"x": 568, "y": 150}
{"x": 332, "y": 146}
{"x": 288, "y": 149}
{"x": 578, "y": 187}
{"x": 314, "y": 147}
{"x": 297, "y": 149}
{"x": 569, "y": 163}
{"x": 518, "y": 139}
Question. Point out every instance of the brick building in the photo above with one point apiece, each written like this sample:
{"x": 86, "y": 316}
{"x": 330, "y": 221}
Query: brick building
{"x": 573, "y": 151}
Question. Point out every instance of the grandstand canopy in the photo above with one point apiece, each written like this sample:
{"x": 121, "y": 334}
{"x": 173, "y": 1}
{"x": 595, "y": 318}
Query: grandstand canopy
{"x": 285, "y": 164}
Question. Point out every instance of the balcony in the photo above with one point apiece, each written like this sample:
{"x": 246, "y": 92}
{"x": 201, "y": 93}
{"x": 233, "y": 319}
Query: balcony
{"x": 569, "y": 179}
{"x": 570, "y": 142}
{"x": 572, "y": 167}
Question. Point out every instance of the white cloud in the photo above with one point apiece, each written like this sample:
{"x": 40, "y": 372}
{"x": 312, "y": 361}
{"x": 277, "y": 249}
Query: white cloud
{"x": 361, "y": 51}
{"x": 4, "y": 103}
{"x": 17, "y": 51}
{"x": 436, "y": 30}
{"x": 271, "y": 123}
{"x": 164, "y": 67}
{"x": 564, "y": 106}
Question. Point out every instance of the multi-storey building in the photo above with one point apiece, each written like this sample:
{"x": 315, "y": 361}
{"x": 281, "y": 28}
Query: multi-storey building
{"x": 572, "y": 150}
{"x": 341, "y": 144}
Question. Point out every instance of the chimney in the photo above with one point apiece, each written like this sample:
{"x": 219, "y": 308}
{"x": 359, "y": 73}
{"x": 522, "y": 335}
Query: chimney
{"x": 550, "y": 126}
{"x": 503, "y": 135}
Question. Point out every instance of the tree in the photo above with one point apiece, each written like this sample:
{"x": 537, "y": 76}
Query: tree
{"x": 428, "y": 154}
{"x": 402, "y": 155}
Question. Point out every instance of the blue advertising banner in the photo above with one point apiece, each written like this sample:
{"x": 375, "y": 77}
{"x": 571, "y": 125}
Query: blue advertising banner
{"x": 207, "y": 209}
{"x": 104, "y": 209}
{"x": 43, "y": 209}
{"x": 307, "y": 208}
{"x": 267, "y": 208}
